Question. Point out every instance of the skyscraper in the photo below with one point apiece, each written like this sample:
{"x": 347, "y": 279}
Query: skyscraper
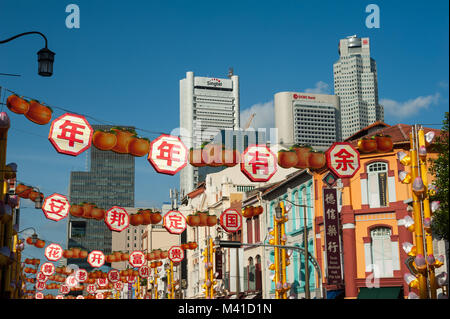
{"x": 307, "y": 119}
{"x": 109, "y": 182}
{"x": 207, "y": 105}
{"x": 356, "y": 84}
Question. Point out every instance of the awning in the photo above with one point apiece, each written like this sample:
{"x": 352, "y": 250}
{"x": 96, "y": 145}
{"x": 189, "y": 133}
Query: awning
{"x": 380, "y": 293}
{"x": 332, "y": 294}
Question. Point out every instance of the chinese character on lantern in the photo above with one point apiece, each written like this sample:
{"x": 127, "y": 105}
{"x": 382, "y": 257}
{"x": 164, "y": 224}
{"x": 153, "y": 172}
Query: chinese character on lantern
{"x": 174, "y": 222}
{"x": 144, "y": 271}
{"x": 117, "y": 219}
{"x": 231, "y": 220}
{"x": 70, "y": 134}
{"x": 259, "y": 163}
{"x": 64, "y": 289}
{"x": 118, "y": 285}
{"x": 41, "y": 277}
{"x": 40, "y": 285}
{"x": 39, "y": 295}
{"x": 71, "y": 281}
{"x": 137, "y": 259}
{"x": 99, "y": 296}
{"x": 53, "y": 252}
{"x": 168, "y": 155}
{"x": 113, "y": 275}
{"x": 176, "y": 254}
{"x": 81, "y": 275}
{"x": 96, "y": 258}
{"x": 56, "y": 207}
{"x": 91, "y": 288}
{"x": 48, "y": 269}
{"x": 343, "y": 159}
{"x": 102, "y": 282}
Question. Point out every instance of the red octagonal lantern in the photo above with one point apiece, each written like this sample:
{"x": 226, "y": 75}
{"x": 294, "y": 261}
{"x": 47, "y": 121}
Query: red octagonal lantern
{"x": 53, "y": 252}
{"x": 117, "y": 219}
{"x": 168, "y": 154}
{"x": 137, "y": 259}
{"x": 258, "y": 163}
{"x": 231, "y": 220}
{"x": 56, "y": 207}
{"x": 176, "y": 254}
{"x": 174, "y": 222}
{"x": 343, "y": 159}
{"x": 70, "y": 134}
{"x": 96, "y": 258}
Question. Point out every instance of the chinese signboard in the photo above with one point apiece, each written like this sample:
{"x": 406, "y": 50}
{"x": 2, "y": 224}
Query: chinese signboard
{"x": 70, "y": 134}
{"x": 117, "y": 219}
{"x": 168, "y": 155}
{"x": 332, "y": 236}
{"x": 174, "y": 222}
{"x": 231, "y": 220}
{"x": 343, "y": 159}
{"x": 176, "y": 254}
{"x": 56, "y": 207}
{"x": 259, "y": 163}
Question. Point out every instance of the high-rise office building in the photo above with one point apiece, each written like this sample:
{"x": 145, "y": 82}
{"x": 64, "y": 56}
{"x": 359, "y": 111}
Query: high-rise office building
{"x": 356, "y": 84}
{"x": 307, "y": 119}
{"x": 207, "y": 105}
{"x": 109, "y": 182}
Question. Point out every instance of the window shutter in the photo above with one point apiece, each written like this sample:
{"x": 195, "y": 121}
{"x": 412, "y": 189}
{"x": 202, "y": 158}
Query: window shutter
{"x": 377, "y": 257}
{"x": 373, "y": 190}
{"x": 257, "y": 230}
{"x": 249, "y": 231}
{"x": 387, "y": 254}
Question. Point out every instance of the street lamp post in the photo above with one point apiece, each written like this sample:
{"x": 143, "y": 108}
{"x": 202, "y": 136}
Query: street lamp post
{"x": 45, "y": 56}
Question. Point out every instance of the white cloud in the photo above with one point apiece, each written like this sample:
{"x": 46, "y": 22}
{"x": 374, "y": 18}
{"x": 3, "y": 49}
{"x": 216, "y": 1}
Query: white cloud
{"x": 264, "y": 116}
{"x": 320, "y": 88}
{"x": 410, "y": 107}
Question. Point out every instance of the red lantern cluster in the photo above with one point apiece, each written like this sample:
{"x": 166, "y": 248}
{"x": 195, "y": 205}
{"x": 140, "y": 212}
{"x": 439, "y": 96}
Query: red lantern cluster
{"x": 190, "y": 245}
{"x": 39, "y": 243}
{"x": 33, "y": 261}
{"x": 214, "y": 155}
{"x": 33, "y": 110}
{"x": 121, "y": 140}
{"x": 201, "y": 219}
{"x": 145, "y": 217}
{"x": 301, "y": 157}
{"x": 117, "y": 256}
{"x": 75, "y": 253}
{"x": 27, "y": 192}
{"x": 87, "y": 210}
{"x": 250, "y": 211}
{"x": 378, "y": 143}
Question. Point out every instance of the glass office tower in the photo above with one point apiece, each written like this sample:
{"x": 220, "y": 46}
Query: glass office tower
{"x": 108, "y": 182}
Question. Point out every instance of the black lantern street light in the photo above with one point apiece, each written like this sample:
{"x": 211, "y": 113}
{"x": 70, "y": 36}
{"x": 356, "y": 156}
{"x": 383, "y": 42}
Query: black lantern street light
{"x": 45, "y": 56}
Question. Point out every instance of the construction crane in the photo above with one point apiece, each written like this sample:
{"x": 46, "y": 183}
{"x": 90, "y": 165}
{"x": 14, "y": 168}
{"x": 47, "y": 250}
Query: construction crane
{"x": 249, "y": 121}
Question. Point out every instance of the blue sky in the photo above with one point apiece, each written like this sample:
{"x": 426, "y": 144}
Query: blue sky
{"x": 124, "y": 64}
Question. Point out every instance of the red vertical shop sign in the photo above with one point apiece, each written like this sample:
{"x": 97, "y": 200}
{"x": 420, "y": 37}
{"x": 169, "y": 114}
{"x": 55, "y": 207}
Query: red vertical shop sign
{"x": 332, "y": 236}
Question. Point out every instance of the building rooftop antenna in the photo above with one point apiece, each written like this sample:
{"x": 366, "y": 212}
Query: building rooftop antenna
{"x": 230, "y": 72}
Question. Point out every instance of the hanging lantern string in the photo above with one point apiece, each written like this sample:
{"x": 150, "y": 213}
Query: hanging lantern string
{"x": 101, "y": 121}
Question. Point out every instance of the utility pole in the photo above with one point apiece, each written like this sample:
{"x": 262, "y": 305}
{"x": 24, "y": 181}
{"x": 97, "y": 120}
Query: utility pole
{"x": 305, "y": 243}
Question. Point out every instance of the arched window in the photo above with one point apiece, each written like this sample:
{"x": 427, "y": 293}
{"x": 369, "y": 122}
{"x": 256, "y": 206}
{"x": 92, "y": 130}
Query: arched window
{"x": 377, "y": 184}
{"x": 382, "y": 264}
